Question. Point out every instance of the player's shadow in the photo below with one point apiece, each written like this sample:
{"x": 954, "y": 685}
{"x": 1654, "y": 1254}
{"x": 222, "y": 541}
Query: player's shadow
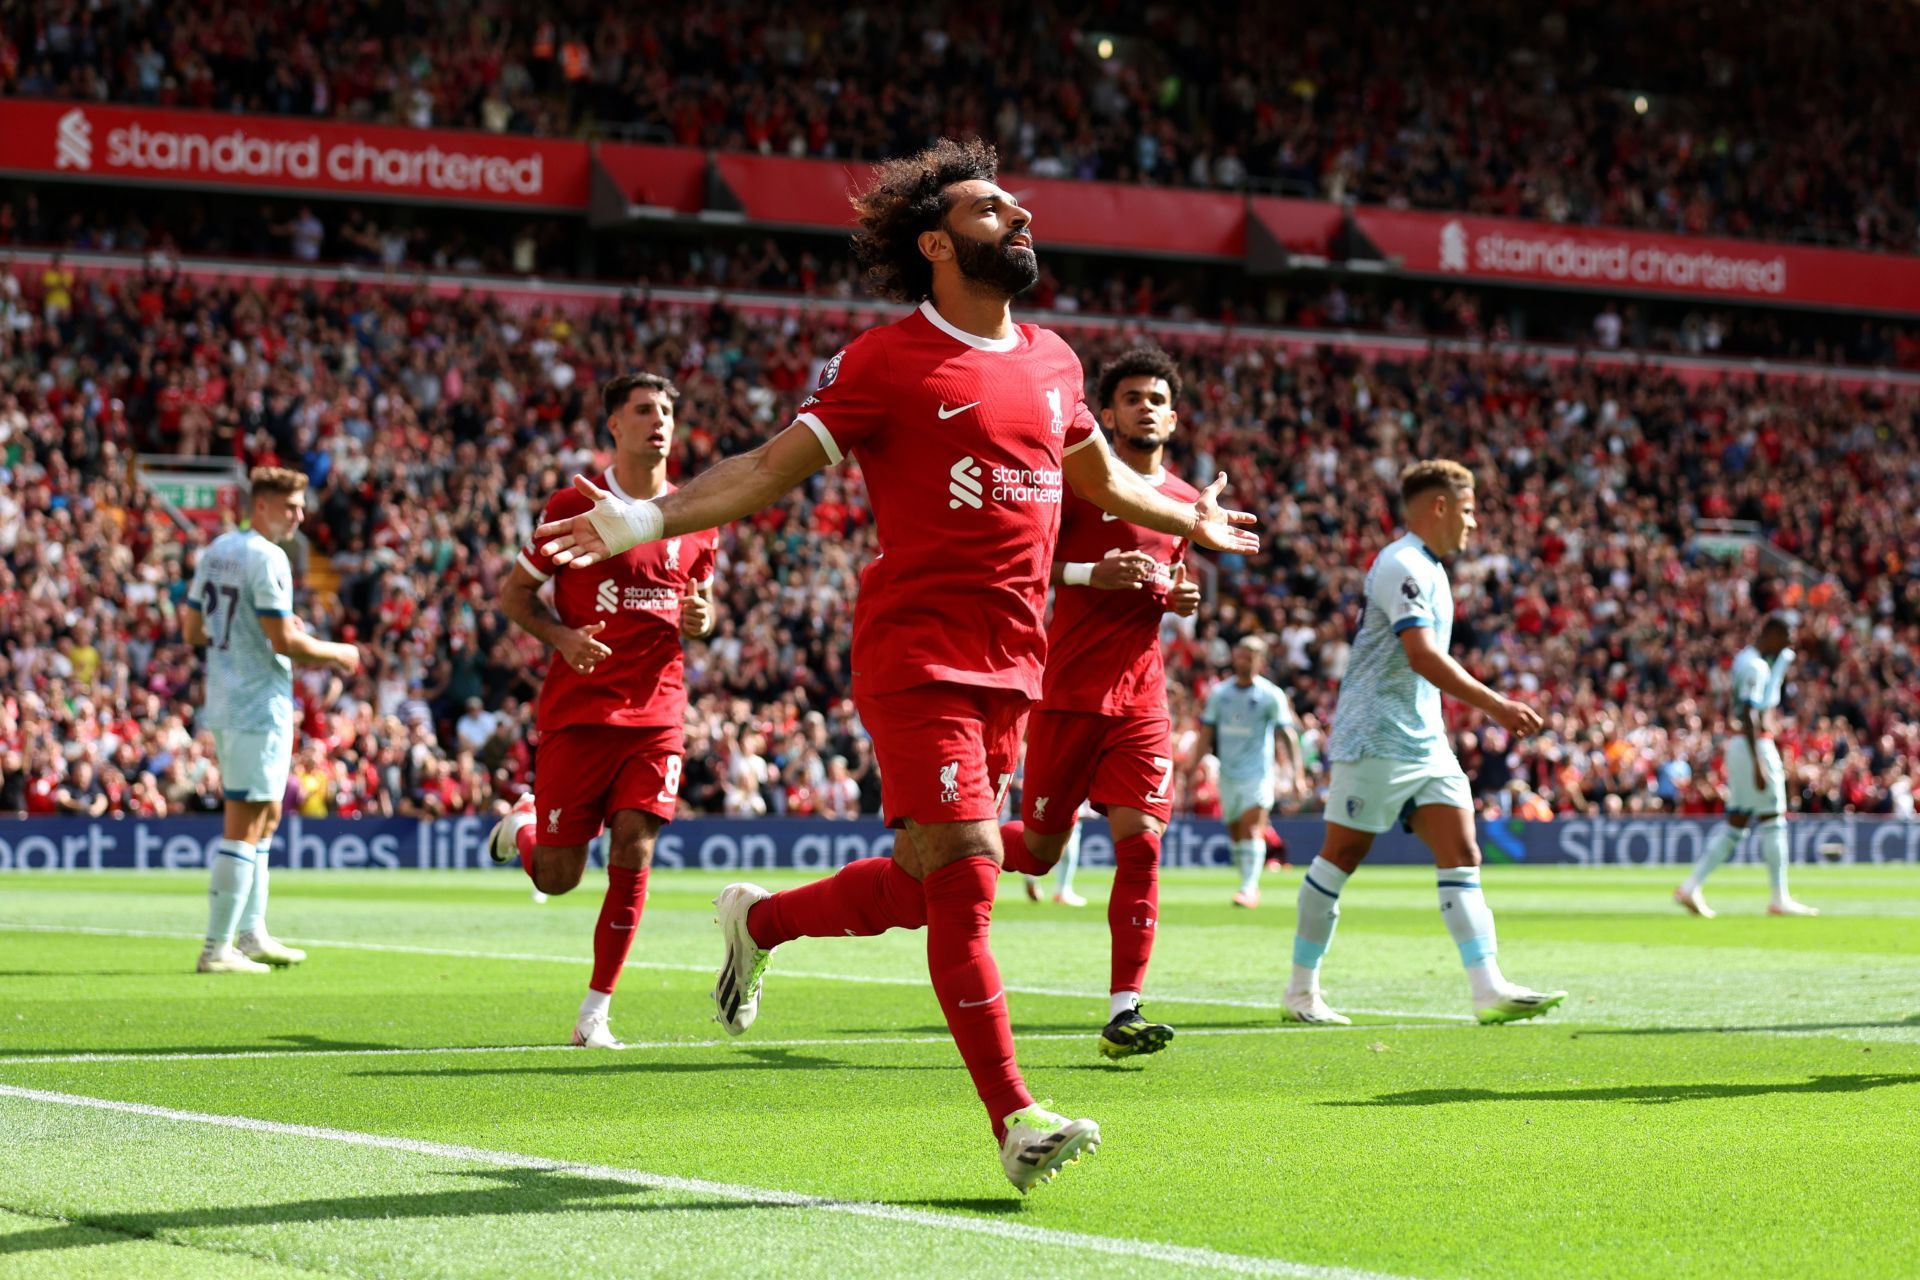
{"x": 1010, "y": 1203}
{"x": 1043, "y": 1028}
{"x": 1643, "y": 1094}
{"x": 514, "y": 1191}
{"x": 593, "y": 1064}
{"x": 290, "y": 1045}
{"x": 1911, "y": 1020}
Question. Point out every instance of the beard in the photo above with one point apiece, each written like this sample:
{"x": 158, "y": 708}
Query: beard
{"x": 999, "y": 267}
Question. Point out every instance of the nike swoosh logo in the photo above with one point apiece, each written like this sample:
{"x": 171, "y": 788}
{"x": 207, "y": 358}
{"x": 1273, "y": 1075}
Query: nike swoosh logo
{"x": 980, "y": 1004}
{"x": 1108, "y": 515}
{"x": 628, "y": 928}
{"x": 946, "y": 413}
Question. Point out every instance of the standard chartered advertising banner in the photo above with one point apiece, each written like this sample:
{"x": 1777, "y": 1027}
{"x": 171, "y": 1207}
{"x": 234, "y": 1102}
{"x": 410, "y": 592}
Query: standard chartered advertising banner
{"x": 722, "y": 844}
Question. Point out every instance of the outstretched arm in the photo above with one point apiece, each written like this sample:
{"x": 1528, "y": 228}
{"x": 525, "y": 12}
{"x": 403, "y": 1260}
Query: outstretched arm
{"x": 732, "y": 488}
{"x": 1096, "y": 475}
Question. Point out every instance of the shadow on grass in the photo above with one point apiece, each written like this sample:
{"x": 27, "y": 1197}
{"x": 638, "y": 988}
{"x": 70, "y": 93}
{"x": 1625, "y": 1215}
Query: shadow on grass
{"x": 276, "y": 1044}
{"x": 1646, "y": 1094}
{"x": 1000, "y": 1206}
{"x": 516, "y": 1191}
{"x": 1091, "y": 1027}
{"x": 1912, "y": 1020}
{"x": 608, "y": 1064}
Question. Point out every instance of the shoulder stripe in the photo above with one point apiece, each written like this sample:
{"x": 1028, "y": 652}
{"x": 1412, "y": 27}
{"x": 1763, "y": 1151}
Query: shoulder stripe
{"x": 271, "y": 613}
{"x": 824, "y": 436}
{"x": 1408, "y": 624}
{"x": 526, "y": 562}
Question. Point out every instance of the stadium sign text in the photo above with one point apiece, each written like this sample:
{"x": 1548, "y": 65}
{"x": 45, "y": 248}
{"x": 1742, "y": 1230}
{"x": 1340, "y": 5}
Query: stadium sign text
{"x": 321, "y": 157}
{"x": 811, "y": 844}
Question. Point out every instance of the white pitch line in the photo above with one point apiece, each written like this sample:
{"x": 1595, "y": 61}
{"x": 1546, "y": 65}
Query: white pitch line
{"x": 824, "y": 1042}
{"x": 1222, "y": 1002}
{"x": 1169, "y": 1254}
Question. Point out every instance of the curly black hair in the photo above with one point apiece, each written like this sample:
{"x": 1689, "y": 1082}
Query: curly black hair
{"x": 908, "y": 197}
{"x": 1146, "y": 361}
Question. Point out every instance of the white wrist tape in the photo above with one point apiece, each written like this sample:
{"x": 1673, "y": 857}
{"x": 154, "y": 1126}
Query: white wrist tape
{"x": 1078, "y": 573}
{"x": 625, "y": 525}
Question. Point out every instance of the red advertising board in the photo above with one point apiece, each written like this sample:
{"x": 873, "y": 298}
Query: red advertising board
{"x": 323, "y": 157}
{"x": 1079, "y": 215}
{"x": 1611, "y": 259}
{"x": 657, "y": 177}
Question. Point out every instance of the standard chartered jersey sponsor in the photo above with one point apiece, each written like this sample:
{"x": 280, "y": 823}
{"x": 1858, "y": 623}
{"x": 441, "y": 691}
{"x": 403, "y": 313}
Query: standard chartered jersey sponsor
{"x": 1386, "y": 710}
{"x": 241, "y": 578}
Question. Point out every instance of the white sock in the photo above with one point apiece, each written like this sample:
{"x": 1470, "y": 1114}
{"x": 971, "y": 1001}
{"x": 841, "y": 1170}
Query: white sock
{"x": 230, "y": 881}
{"x": 1123, "y": 1002}
{"x": 1250, "y": 854}
{"x": 596, "y": 1002}
{"x": 1314, "y": 922}
{"x": 1469, "y": 921}
{"x": 1773, "y": 848}
{"x": 1720, "y": 847}
{"x": 253, "y": 916}
{"x": 1069, "y": 862}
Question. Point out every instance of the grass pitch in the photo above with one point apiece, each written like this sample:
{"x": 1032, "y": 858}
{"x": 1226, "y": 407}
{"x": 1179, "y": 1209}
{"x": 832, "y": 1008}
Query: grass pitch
{"x": 1732, "y": 1097}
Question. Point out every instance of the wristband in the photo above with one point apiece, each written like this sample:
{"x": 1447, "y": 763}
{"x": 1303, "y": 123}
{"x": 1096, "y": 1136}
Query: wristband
{"x": 1078, "y": 573}
{"x": 625, "y": 525}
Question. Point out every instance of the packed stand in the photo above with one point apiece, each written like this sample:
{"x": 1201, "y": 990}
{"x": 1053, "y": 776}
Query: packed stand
{"x": 1685, "y": 117}
{"x": 433, "y": 429}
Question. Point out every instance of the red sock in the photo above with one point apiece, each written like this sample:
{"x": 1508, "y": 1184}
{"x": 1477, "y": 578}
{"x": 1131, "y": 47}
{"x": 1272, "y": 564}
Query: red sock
{"x": 1133, "y": 907}
{"x": 967, "y": 981}
{"x": 1014, "y": 854}
{"x": 619, "y": 921}
{"x": 866, "y": 897}
{"x": 523, "y": 839}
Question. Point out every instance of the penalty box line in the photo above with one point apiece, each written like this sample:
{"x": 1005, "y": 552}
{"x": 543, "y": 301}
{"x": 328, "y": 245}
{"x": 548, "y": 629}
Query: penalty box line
{"x": 1169, "y": 1254}
{"x": 665, "y": 966}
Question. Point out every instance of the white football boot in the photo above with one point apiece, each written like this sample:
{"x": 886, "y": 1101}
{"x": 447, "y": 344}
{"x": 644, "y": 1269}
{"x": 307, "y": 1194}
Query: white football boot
{"x": 503, "y": 841}
{"x": 592, "y": 1032}
{"x": 1310, "y": 1008}
{"x": 263, "y": 947}
{"x": 1692, "y": 901}
{"x": 225, "y": 959}
{"x": 736, "y": 989}
{"x": 1039, "y": 1144}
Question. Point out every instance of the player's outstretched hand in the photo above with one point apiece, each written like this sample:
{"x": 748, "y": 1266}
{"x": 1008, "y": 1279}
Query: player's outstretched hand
{"x": 1183, "y": 597}
{"x": 696, "y": 612}
{"x": 1123, "y": 571}
{"x": 578, "y": 648}
{"x": 610, "y": 528}
{"x": 1517, "y": 717}
{"x": 1215, "y": 525}
{"x": 347, "y": 658}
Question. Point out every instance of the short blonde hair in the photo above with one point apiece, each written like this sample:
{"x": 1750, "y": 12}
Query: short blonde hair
{"x": 1434, "y": 473}
{"x": 280, "y": 480}
{"x": 1252, "y": 644}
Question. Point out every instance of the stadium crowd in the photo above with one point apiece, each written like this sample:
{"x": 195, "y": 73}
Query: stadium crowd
{"x": 433, "y": 429}
{"x": 1781, "y": 127}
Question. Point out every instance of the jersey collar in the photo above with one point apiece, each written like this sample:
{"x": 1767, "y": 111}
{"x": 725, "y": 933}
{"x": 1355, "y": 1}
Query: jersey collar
{"x": 613, "y": 487}
{"x": 1421, "y": 543}
{"x": 973, "y": 340}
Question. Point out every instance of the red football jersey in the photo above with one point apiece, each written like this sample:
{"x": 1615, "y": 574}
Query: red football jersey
{"x": 1103, "y": 648}
{"x": 960, "y": 439}
{"x": 638, "y": 596}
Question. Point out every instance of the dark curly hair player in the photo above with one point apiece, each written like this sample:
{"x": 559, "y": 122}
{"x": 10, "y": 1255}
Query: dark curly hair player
{"x": 967, "y": 427}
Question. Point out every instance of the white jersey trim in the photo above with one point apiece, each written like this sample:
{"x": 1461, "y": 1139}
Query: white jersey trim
{"x": 824, "y": 436}
{"x": 973, "y": 340}
{"x": 526, "y": 563}
{"x": 1075, "y": 448}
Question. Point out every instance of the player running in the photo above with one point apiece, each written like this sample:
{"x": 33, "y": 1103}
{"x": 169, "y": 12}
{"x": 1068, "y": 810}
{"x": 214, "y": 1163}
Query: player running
{"x": 240, "y": 607}
{"x": 1248, "y": 725}
{"x": 963, "y": 424}
{"x": 613, "y": 708}
{"x": 1102, "y": 731}
{"x": 1755, "y": 776}
{"x": 1390, "y": 755}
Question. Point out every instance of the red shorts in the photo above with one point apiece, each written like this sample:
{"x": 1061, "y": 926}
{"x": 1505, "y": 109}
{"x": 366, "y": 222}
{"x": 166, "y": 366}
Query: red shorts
{"x": 946, "y": 751}
{"x": 1118, "y": 762}
{"x": 586, "y": 773}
